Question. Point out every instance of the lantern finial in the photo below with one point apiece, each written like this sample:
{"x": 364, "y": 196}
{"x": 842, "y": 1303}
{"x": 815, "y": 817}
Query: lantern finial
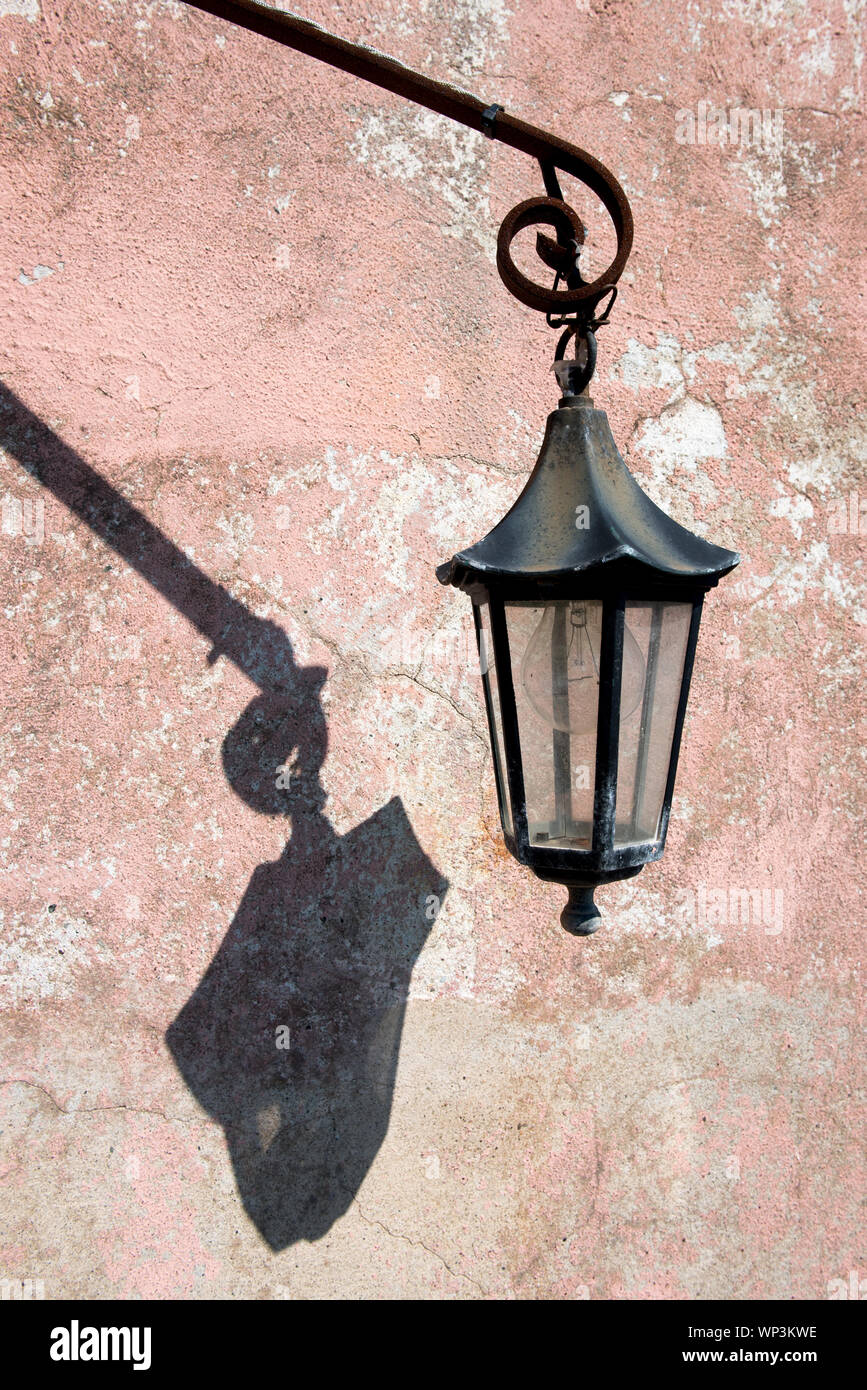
{"x": 581, "y": 916}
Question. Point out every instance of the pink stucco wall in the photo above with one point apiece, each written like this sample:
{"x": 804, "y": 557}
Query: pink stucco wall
{"x": 258, "y": 298}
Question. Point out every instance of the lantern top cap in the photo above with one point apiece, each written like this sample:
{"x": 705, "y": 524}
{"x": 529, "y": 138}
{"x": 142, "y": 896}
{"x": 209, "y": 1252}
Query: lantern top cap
{"x": 580, "y": 514}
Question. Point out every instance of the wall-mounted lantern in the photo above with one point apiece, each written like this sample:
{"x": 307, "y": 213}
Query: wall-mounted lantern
{"x": 586, "y": 600}
{"x": 586, "y": 597}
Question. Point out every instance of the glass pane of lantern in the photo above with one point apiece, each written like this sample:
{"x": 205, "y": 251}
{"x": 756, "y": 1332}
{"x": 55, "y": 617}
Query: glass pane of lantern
{"x": 555, "y": 670}
{"x": 660, "y": 631}
{"x": 495, "y": 722}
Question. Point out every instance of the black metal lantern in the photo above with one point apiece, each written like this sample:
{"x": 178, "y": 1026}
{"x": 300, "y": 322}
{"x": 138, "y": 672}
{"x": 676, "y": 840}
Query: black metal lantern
{"x": 586, "y": 600}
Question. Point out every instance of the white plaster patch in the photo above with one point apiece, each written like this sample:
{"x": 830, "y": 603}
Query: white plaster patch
{"x": 41, "y": 954}
{"x": 818, "y": 60}
{"x": 764, "y": 174}
{"x": 469, "y": 507}
{"x": 518, "y": 441}
{"x": 426, "y": 149}
{"x": 763, "y": 13}
{"x": 21, "y": 9}
{"x": 396, "y": 489}
{"x": 469, "y": 32}
{"x": 795, "y": 509}
{"x": 239, "y": 530}
{"x": 643, "y": 368}
{"x": 763, "y": 363}
{"x": 818, "y": 471}
{"x": 39, "y": 272}
{"x": 817, "y": 165}
{"x": 674, "y": 443}
{"x": 684, "y": 433}
{"x": 447, "y": 963}
{"x": 813, "y": 573}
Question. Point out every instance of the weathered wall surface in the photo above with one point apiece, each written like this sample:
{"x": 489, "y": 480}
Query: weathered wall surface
{"x": 258, "y": 299}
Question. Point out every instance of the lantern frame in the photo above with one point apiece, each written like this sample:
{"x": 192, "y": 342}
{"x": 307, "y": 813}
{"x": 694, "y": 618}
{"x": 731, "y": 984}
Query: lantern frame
{"x": 631, "y": 553}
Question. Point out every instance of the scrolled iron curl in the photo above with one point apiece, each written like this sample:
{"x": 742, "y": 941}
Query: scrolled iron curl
{"x": 578, "y": 298}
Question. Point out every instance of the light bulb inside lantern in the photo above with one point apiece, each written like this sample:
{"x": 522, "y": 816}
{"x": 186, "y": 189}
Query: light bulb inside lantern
{"x": 560, "y": 669}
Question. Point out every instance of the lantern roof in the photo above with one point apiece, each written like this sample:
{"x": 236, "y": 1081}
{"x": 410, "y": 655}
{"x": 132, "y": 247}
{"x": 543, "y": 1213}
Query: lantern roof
{"x": 582, "y": 512}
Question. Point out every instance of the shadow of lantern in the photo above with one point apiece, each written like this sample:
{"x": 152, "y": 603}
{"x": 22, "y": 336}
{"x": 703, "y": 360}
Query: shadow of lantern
{"x": 291, "y": 1039}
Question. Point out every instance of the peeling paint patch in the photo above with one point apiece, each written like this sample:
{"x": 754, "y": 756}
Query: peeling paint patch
{"x": 39, "y": 272}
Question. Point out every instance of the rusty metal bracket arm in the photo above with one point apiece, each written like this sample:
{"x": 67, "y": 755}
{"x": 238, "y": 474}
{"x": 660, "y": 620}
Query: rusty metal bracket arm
{"x": 493, "y": 121}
